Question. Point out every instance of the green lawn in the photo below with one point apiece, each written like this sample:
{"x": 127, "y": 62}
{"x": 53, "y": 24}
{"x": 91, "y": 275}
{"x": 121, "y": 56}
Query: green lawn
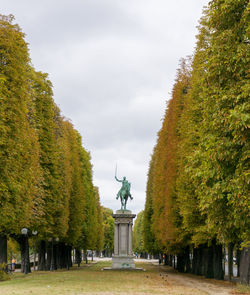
{"x": 92, "y": 280}
{"x": 88, "y": 279}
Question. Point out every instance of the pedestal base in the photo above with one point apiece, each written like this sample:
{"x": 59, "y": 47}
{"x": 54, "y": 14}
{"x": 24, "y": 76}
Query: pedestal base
{"x": 123, "y": 262}
{"x": 123, "y": 253}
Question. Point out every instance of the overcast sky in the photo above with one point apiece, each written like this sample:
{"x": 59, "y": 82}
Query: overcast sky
{"x": 113, "y": 65}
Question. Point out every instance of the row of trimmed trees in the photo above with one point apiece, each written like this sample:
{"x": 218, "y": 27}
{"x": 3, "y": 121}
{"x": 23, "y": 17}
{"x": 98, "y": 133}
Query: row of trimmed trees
{"x": 197, "y": 190}
{"x": 108, "y": 232}
{"x": 138, "y": 243}
{"x": 45, "y": 174}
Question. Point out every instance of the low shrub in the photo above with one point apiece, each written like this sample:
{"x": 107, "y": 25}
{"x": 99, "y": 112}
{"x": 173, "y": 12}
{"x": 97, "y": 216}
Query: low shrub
{"x": 4, "y": 276}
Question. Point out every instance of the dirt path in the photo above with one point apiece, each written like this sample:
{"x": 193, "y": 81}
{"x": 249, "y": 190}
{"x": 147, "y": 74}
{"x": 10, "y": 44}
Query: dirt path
{"x": 200, "y": 284}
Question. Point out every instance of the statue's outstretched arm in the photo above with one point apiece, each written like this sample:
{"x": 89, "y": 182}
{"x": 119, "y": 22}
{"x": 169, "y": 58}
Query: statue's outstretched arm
{"x": 117, "y": 179}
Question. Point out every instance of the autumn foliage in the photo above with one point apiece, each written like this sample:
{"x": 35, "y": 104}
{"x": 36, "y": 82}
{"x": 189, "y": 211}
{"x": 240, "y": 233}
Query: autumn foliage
{"x": 197, "y": 193}
{"x": 45, "y": 173}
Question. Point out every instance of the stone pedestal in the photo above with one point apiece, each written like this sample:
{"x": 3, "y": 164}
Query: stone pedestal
{"x": 123, "y": 255}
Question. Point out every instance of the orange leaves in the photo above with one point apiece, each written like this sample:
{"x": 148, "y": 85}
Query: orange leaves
{"x": 163, "y": 167}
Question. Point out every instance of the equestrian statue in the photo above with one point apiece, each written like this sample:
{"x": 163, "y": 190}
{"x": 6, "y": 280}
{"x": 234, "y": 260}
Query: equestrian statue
{"x": 124, "y": 192}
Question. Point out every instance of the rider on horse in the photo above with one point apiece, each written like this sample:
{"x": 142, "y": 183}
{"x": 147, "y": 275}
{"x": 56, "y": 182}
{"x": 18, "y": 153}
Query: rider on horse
{"x": 124, "y": 192}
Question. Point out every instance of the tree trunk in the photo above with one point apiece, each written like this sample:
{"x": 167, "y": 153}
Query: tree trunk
{"x": 165, "y": 260}
{"x": 187, "y": 260}
{"x": 63, "y": 255}
{"x": 170, "y": 260}
{"x": 59, "y": 255}
{"x": 194, "y": 260}
{"x": 217, "y": 261}
{"x": 202, "y": 259}
{"x": 41, "y": 255}
{"x": 74, "y": 256}
{"x": 180, "y": 262}
{"x": 245, "y": 266}
{"x": 70, "y": 256}
{"x": 34, "y": 259}
{"x": 78, "y": 257}
{"x": 86, "y": 256}
{"x": 198, "y": 261}
{"x": 25, "y": 257}
{"x": 69, "y": 263}
{"x": 208, "y": 262}
{"x": 53, "y": 256}
{"x": 230, "y": 260}
{"x": 169, "y": 257}
{"x": 238, "y": 253}
{"x": 48, "y": 260}
{"x": 3, "y": 249}
{"x": 56, "y": 256}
